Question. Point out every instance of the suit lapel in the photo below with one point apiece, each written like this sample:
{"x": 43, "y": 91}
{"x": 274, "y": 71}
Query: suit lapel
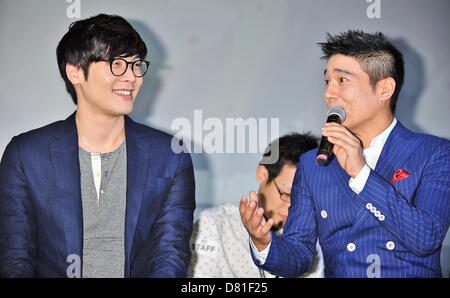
{"x": 342, "y": 178}
{"x": 347, "y": 199}
{"x": 66, "y": 166}
{"x": 138, "y": 155}
{"x": 67, "y": 190}
{"x": 400, "y": 144}
{"x": 397, "y": 149}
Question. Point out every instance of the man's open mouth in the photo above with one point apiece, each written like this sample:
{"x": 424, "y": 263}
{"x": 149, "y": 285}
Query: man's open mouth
{"x": 123, "y": 92}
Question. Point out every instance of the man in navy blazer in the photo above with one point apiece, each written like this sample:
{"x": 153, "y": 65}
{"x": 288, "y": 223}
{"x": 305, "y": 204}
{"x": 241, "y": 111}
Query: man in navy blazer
{"x": 381, "y": 206}
{"x": 59, "y": 216}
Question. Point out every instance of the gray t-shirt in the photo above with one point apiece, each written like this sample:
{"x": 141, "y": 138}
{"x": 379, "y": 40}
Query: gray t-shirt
{"x": 103, "y": 194}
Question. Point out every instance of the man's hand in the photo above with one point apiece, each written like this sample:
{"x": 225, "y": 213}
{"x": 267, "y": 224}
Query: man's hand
{"x": 347, "y": 147}
{"x": 253, "y": 220}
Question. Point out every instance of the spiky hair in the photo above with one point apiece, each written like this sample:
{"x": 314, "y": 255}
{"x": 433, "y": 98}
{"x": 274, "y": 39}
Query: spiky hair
{"x": 378, "y": 57}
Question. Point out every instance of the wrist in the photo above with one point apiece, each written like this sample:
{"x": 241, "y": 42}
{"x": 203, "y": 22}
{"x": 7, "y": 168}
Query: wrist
{"x": 260, "y": 246}
{"x": 358, "y": 183}
{"x": 356, "y": 172}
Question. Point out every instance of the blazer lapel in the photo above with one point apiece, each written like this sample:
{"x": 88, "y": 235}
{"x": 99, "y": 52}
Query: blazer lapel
{"x": 348, "y": 196}
{"x": 137, "y": 168}
{"x": 397, "y": 149}
{"x": 67, "y": 189}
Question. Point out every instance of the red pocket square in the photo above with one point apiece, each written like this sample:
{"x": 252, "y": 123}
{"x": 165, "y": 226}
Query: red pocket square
{"x": 400, "y": 175}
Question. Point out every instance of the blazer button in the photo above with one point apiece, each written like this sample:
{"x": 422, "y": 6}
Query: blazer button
{"x": 324, "y": 214}
{"x": 351, "y": 246}
{"x": 368, "y": 206}
{"x": 390, "y": 245}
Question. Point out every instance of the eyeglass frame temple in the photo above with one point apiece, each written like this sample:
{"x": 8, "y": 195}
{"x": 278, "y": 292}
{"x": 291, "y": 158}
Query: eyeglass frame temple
{"x": 281, "y": 193}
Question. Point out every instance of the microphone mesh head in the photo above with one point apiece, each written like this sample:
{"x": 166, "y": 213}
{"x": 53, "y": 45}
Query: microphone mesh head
{"x": 336, "y": 110}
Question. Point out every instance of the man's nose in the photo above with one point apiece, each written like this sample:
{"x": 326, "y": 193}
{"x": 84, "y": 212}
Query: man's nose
{"x": 331, "y": 94}
{"x": 288, "y": 203}
{"x": 128, "y": 75}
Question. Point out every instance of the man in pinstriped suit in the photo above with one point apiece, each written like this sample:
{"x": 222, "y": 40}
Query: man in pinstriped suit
{"x": 381, "y": 207}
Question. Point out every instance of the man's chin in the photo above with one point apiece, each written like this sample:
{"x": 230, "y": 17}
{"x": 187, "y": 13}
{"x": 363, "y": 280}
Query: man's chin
{"x": 277, "y": 226}
{"x": 121, "y": 111}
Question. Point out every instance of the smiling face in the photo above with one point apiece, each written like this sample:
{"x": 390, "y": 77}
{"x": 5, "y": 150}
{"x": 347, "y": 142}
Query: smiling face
{"x": 103, "y": 92}
{"x": 348, "y": 86}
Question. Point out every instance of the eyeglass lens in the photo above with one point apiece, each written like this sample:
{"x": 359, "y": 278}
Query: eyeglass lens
{"x": 119, "y": 67}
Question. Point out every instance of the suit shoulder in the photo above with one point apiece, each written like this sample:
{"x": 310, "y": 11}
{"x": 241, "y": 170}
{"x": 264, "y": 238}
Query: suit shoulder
{"x": 158, "y": 138}
{"x": 433, "y": 143}
{"x": 149, "y": 131}
{"x": 421, "y": 137}
{"x": 308, "y": 159}
{"x": 436, "y": 140}
{"x": 152, "y": 134}
{"x": 38, "y": 135}
{"x": 438, "y": 147}
{"x": 310, "y": 155}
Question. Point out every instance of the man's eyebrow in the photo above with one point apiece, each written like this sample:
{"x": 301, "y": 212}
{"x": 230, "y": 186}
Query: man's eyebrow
{"x": 339, "y": 70}
{"x": 135, "y": 57}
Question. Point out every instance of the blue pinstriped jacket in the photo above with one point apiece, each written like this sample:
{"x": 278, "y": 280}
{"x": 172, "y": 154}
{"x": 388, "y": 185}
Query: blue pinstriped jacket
{"x": 388, "y": 230}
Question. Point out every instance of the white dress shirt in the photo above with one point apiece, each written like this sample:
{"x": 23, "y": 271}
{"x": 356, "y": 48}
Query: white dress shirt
{"x": 371, "y": 155}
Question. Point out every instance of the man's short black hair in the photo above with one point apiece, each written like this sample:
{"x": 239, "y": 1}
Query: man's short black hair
{"x": 291, "y": 147}
{"x": 99, "y": 38}
{"x": 377, "y": 56}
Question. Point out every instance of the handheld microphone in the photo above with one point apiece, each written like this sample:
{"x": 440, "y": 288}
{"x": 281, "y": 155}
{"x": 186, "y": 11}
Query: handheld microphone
{"x": 334, "y": 114}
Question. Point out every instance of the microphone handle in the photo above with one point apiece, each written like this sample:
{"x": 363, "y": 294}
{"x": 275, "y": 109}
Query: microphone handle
{"x": 326, "y": 148}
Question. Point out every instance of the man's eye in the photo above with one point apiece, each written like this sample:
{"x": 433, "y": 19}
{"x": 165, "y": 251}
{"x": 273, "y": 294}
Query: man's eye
{"x": 342, "y": 80}
{"x": 327, "y": 82}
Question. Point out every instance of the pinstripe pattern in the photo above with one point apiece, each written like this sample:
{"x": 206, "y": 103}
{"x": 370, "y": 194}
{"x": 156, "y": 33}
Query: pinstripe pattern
{"x": 404, "y": 229}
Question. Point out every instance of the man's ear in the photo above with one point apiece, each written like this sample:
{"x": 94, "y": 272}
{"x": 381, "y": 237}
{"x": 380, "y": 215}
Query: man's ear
{"x": 262, "y": 175}
{"x": 385, "y": 88}
{"x": 74, "y": 74}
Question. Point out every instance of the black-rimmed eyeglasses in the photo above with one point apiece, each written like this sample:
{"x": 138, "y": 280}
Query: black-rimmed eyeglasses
{"x": 119, "y": 66}
{"x": 286, "y": 197}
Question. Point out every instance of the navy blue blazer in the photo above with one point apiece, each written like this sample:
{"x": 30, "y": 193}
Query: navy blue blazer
{"x": 41, "y": 222}
{"x": 388, "y": 230}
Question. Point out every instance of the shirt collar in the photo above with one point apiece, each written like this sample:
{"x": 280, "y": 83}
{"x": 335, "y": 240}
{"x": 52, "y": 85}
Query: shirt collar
{"x": 373, "y": 152}
{"x": 379, "y": 140}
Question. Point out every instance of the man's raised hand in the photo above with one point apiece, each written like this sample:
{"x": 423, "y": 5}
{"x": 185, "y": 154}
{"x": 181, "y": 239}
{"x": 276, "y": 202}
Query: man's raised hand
{"x": 254, "y": 221}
